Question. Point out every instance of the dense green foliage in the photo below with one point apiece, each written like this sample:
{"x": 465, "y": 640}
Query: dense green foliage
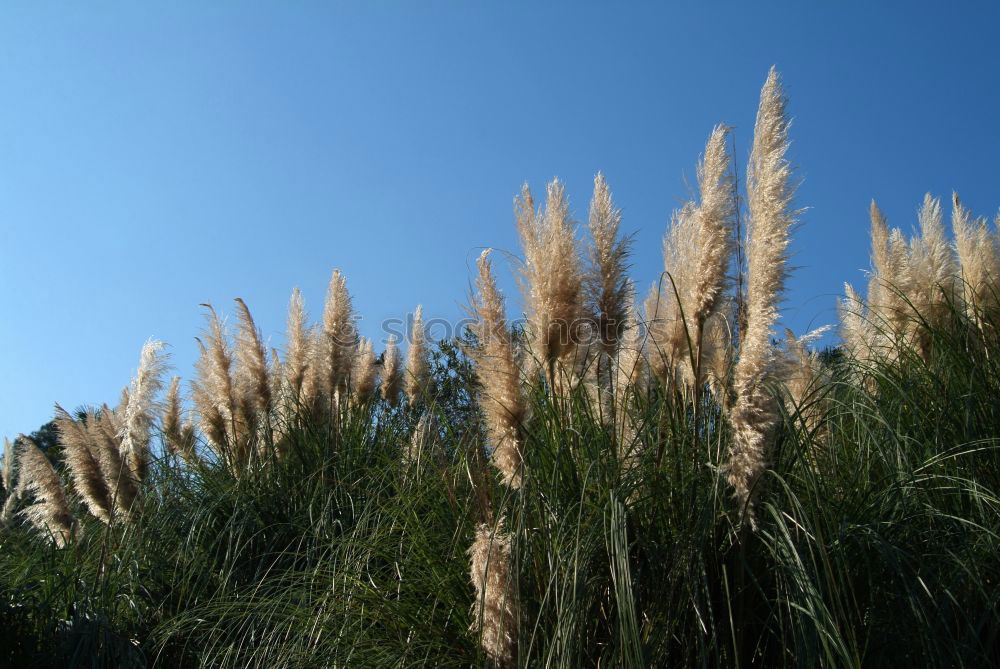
{"x": 877, "y": 540}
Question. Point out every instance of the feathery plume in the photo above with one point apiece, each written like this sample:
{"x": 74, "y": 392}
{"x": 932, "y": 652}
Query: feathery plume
{"x": 251, "y": 380}
{"x": 697, "y": 251}
{"x": 177, "y": 435}
{"x": 82, "y": 459}
{"x": 717, "y": 355}
{"x": 299, "y": 351}
{"x": 608, "y": 289}
{"x": 979, "y": 259}
{"x": 50, "y": 512}
{"x": 364, "y": 371}
{"x": 494, "y": 611}
{"x": 502, "y": 402}
{"x": 8, "y": 466}
{"x": 311, "y": 395}
{"x": 713, "y": 223}
{"x": 855, "y": 326}
{"x": 803, "y": 376}
{"x": 888, "y": 287}
{"x": 881, "y": 258}
{"x": 608, "y": 294}
{"x": 769, "y": 191}
{"x": 417, "y": 365}
{"x": 669, "y": 326}
{"x": 339, "y": 338}
{"x": 391, "y": 372}
{"x": 213, "y": 393}
{"x": 932, "y": 268}
{"x": 551, "y": 277}
{"x": 140, "y": 408}
{"x": 104, "y": 432}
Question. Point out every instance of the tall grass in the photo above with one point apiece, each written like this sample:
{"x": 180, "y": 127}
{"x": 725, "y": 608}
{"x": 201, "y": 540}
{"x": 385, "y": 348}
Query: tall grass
{"x": 525, "y": 498}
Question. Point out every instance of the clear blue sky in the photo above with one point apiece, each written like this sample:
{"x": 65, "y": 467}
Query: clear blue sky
{"x": 155, "y": 158}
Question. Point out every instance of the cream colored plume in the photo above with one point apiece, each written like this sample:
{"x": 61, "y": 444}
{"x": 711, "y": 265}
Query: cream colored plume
{"x": 391, "y": 372}
{"x": 8, "y": 466}
{"x": 37, "y": 479}
{"x": 979, "y": 259}
{"x": 339, "y": 338}
{"x": 697, "y": 252}
{"x": 609, "y": 292}
{"x": 856, "y": 328}
{"x": 299, "y": 347}
{"x": 888, "y": 289}
{"x": 932, "y": 273}
{"x": 364, "y": 371}
{"x": 103, "y": 429}
{"x": 251, "y": 378}
{"x": 212, "y": 391}
{"x": 178, "y": 435}
{"x": 713, "y": 223}
{"x": 669, "y": 325}
{"x": 804, "y": 375}
{"x": 311, "y": 395}
{"x": 141, "y": 408}
{"x": 494, "y": 611}
{"x": 417, "y": 364}
{"x": 502, "y": 401}
{"x": 83, "y": 459}
{"x": 551, "y": 278}
{"x": 769, "y": 194}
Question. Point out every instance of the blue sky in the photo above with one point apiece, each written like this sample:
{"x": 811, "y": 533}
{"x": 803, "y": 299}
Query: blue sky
{"x": 154, "y": 158}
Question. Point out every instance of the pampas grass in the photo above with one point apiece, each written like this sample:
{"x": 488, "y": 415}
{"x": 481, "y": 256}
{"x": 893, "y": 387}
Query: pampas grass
{"x": 82, "y": 455}
{"x": 252, "y": 380}
{"x": 494, "y": 612}
{"x": 178, "y": 434}
{"x": 213, "y": 393}
{"x": 365, "y": 371}
{"x": 804, "y": 377}
{"x": 391, "y": 372}
{"x": 141, "y": 408}
{"x": 501, "y": 399}
{"x": 8, "y": 467}
{"x": 417, "y": 374}
{"x": 49, "y": 513}
{"x": 349, "y": 550}
{"x": 551, "y": 280}
{"x": 697, "y": 252}
{"x": 666, "y": 321}
{"x": 932, "y": 270}
{"x": 607, "y": 286}
{"x": 298, "y": 351}
{"x": 769, "y": 191}
{"x": 979, "y": 260}
{"x": 339, "y": 339}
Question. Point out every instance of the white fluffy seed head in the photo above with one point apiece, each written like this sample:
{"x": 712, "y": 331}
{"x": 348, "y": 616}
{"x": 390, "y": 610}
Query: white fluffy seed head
{"x": 501, "y": 399}
{"x": 417, "y": 362}
{"x": 141, "y": 407}
{"x": 494, "y": 610}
